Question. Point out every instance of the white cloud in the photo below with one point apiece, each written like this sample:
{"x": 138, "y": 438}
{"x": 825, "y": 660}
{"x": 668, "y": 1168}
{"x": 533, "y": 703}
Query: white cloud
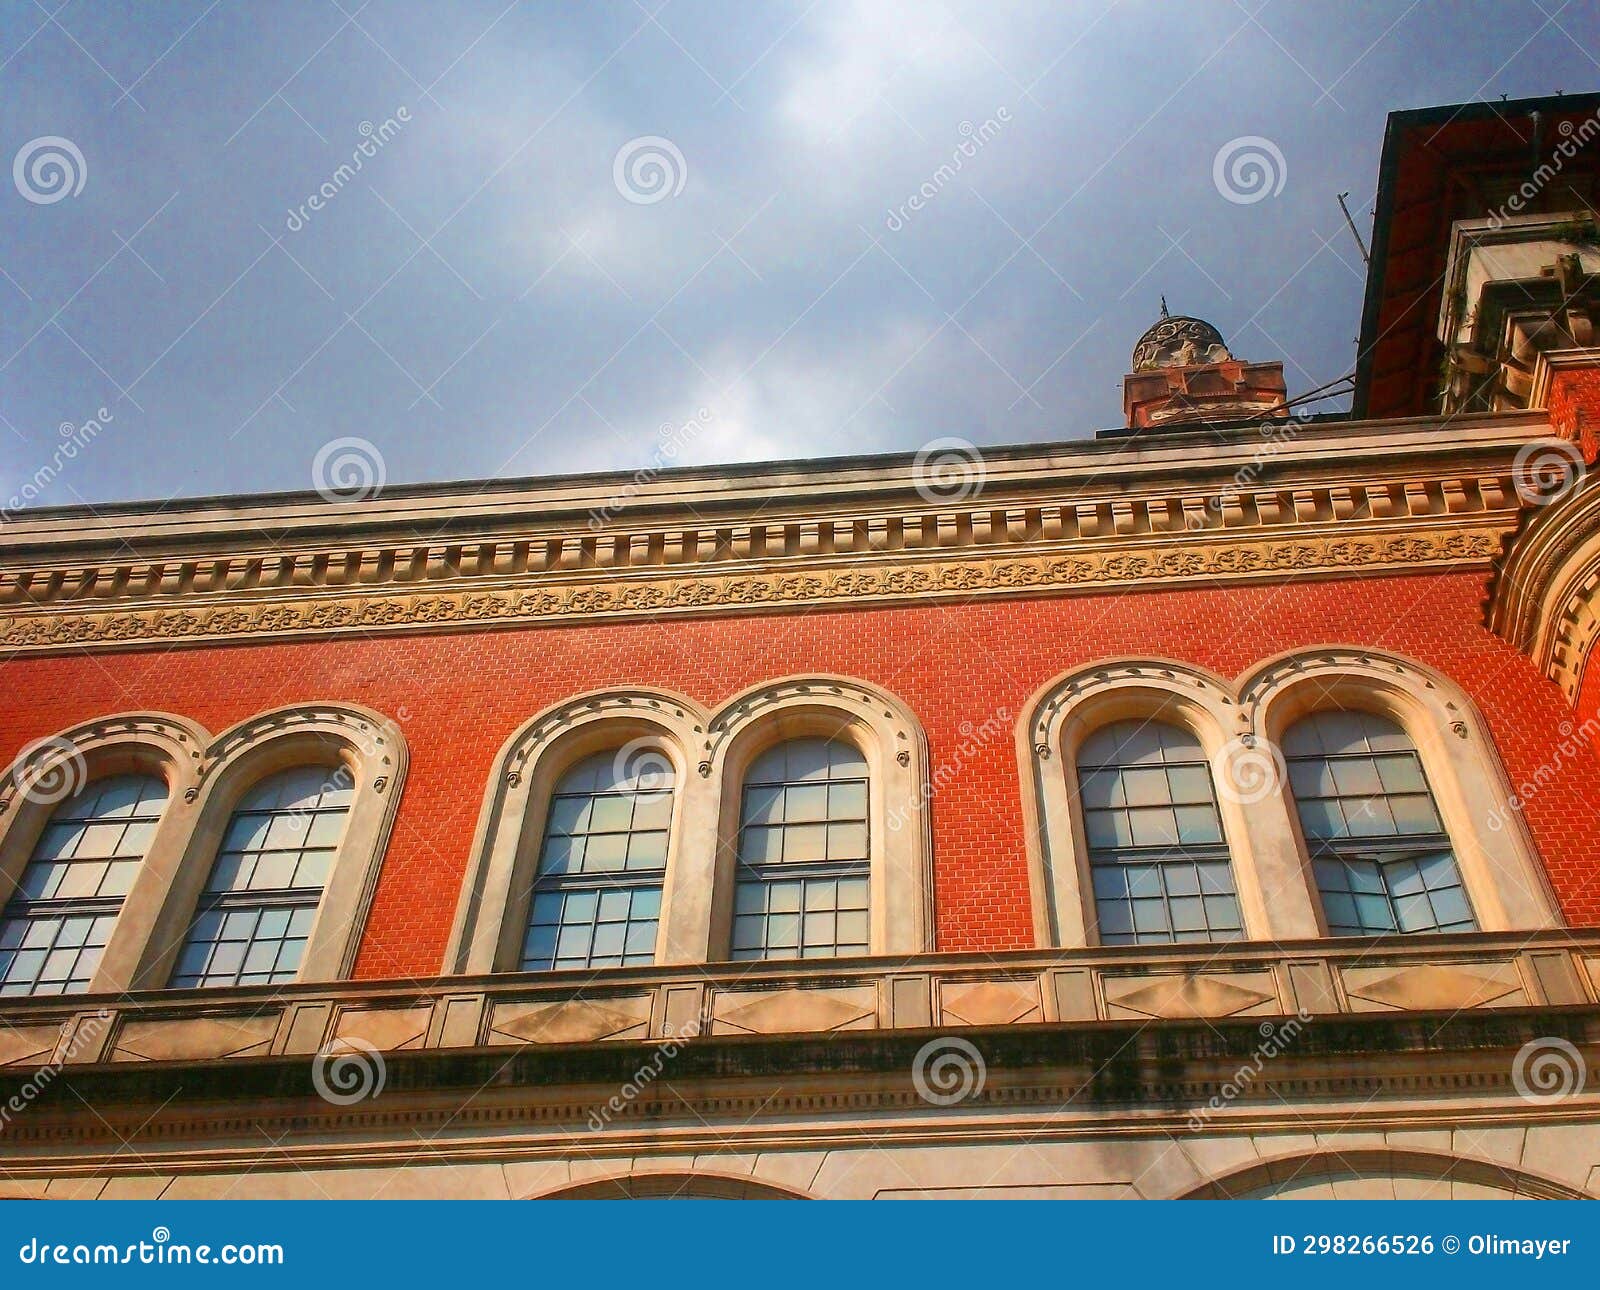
{"x": 865, "y": 50}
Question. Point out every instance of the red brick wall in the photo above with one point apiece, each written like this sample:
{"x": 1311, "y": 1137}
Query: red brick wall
{"x": 1574, "y": 407}
{"x": 459, "y": 697}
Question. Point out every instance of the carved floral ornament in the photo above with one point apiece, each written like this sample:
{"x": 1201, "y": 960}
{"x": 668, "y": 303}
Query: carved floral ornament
{"x": 888, "y": 578}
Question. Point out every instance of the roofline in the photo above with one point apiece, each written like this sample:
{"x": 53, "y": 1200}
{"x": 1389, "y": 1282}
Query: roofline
{"x": 618, "y": 501}
{"x": 1400, "y": 123}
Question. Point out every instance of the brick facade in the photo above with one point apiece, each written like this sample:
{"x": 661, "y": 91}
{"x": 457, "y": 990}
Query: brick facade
{"x": 458, "y": 697}
{"x": 1574, "y": 407}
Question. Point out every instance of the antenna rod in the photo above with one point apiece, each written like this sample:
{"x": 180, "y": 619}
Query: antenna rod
{"x": 1353, "y": 233}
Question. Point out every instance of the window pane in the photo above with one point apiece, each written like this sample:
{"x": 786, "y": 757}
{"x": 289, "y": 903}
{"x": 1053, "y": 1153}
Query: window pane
{"x": 804, "y": 803}
{"x": 1150, "y": 885}
{"x": 1358, "y": 776}
{"x": 89, "y": 850}
{"x": 262, "y": 892}
{"x": 605, "y": 818}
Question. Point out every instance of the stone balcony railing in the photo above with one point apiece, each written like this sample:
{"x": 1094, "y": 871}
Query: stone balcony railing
{"x": 1180, "y": 983}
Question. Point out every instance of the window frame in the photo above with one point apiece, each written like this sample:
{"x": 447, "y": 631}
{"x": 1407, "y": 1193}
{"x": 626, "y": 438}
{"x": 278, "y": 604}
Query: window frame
{"x": 29, "y": 909}
{"x": 1506, "y": 884}
{"x": 1103, "y": 858}
{"x": 492, "y": 912}
{"x": 763, "y": 875}
{"x": 601, "y": 882}
{"x": 1056, "y": 723}
{"x": 157, "y": 744}
{"x": 1379, "y": 850}
{"x": 884, "y": 731}
{"x": 370, "y": 748}
{"x": 708, "y": 751}
{"x": 229, "y": 901}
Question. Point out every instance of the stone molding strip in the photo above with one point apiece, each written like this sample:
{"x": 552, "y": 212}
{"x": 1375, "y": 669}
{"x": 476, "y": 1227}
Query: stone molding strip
{"x": 1053, "y": 1083}
{"x": 473, "y": 594}
{"x": 1319, "y": 977}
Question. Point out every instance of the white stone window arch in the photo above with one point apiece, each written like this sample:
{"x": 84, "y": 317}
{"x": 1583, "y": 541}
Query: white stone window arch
{"x": 1068, "y": 712}
{"x": 649, "y": 729}
{"x": 891, "y": 743}
{"x": 361, "y": 751}
{"x": 1505, "y": 882}
{"x": 45, "y": 779}
{"x": 708, "y": 754}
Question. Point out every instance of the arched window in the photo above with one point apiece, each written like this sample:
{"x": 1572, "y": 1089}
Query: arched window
{"x": 803, "y": 859}
{"x": 60, "y": 916}
{"x": 1382, "y": 859}
{"x": 597, "y": 892}
{"x": 1157, "y": 855}
{"x": 255, "y": 914}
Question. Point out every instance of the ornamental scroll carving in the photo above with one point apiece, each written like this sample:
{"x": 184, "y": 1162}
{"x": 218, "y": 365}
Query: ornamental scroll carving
{"x": 633, "y": 593}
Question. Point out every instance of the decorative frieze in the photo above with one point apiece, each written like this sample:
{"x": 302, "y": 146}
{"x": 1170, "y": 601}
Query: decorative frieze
{"x": 460, "y": 600}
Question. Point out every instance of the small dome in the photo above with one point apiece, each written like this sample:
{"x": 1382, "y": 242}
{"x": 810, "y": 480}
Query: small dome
{"x": 1178, "y": 341}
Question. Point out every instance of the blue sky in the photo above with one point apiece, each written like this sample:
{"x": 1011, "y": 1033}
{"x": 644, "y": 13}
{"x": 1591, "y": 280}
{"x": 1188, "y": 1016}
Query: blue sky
{"x": 580, "y": 231}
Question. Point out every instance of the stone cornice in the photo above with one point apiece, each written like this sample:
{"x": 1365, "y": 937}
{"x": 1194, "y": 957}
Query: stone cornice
{"x": 1326, "y": 501}
{"x": 1053, "y": 1083}
{"x": 1075, "y": 1042}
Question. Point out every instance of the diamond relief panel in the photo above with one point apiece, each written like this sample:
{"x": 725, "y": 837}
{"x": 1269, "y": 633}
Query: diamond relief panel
{"x": 1435, "y": 987}
{"x": 197, "y": 1039}
{"x": 989, "y": 1003}
{"x": 1240, "y": 994}
{"x": 779, "y": 1012}
{"x": 384, "y": 1028}
{"x": 27, "y": 1044}
{"x": 571, "y": 1021}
